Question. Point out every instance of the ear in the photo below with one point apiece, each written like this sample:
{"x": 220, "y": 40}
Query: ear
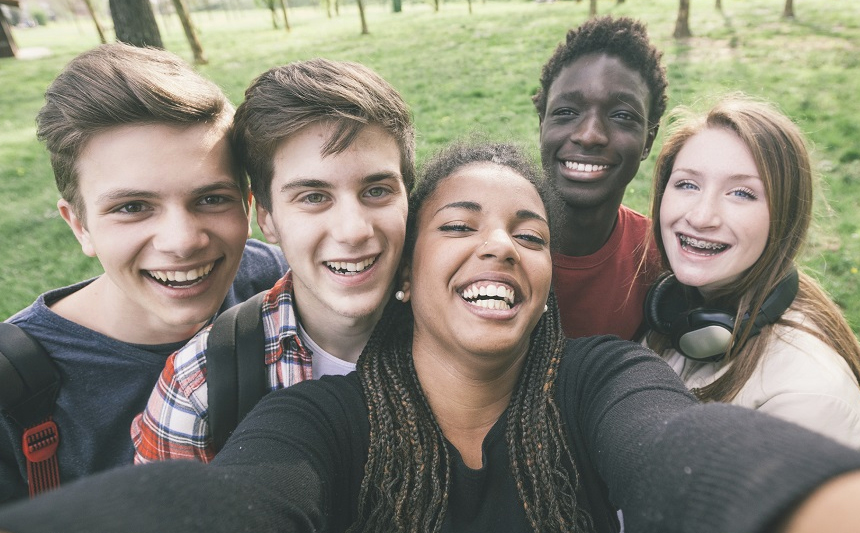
{"x": 267, "y": 225}
{"x": 405, "y": 281}
{"x": 649, "y": 141}
{"x": 248, "y": 210}
{"x": 78, "y": 227}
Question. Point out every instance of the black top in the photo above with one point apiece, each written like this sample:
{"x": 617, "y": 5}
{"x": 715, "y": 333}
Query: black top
{"x": 639, "y": 441}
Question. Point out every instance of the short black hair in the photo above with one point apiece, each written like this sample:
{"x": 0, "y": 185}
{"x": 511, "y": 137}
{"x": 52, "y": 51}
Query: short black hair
{"x": 621, "y": 37}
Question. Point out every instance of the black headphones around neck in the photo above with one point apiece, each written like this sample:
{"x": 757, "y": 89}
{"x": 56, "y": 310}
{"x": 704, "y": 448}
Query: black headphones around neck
{"x": 702, "y": 334}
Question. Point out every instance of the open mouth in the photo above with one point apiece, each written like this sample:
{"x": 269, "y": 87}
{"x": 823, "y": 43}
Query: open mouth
{"x": 489, "y": 295}
{"x": 700, "y": 246}
{"x": 584, "y": 167}
{"x": 346, "y": 268}
{"x": 181, "y": 278}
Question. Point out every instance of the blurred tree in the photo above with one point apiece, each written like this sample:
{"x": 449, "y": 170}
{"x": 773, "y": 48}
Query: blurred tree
{"x": 592, "y": 8}
{"x": 190, "y": 33}
{"x": 364, "y": 30}
{"x": 8, "y": 48}
{"x": 284, "y": 10}
{"x": 92, "y": 13}
{"x": 719, "y": 5}
{"x": 788, "y": 12}
{"x": 396, "y": 6}
{"x": 682, "y": 24}
{"x": 134, "y": 23}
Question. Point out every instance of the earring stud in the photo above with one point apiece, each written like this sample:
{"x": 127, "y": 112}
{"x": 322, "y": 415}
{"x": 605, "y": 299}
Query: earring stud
{"x": 545, "y": 308}
{"x": 400, "y": 295}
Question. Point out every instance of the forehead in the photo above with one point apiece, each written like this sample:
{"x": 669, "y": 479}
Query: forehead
{"x": 493, "y": 187}
{"x": 300, "y": 157}
{"x": 719, "y": 150}
{"x": 599, "y": 76}
{"x": 162, "y": 157}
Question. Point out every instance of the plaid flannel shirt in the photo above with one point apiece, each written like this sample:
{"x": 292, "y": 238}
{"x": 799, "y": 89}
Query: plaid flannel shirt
{"x": 175, "y": 423}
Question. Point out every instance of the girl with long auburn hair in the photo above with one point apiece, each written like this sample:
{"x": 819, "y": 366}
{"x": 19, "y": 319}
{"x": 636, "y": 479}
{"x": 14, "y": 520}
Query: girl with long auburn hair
{"x": 470, "y": 412}
{"x": 731, "y": 207}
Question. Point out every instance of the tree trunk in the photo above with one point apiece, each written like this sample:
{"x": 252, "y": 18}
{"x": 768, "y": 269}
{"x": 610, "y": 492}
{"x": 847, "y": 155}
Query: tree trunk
{"x": 134, "y": 23}
{"x": 190, "y": 34}
{"x": 435, "y": 6}
{"x": 682, "y": 25}
{"x": 396, "y": 6}
{"x": 337, "y": 8}
{"x": 592, "y": 8}
{"x": 788, "y": 12}
{"x": 364, "y": 30}
{"x": 327, "y": 8}
{"x": 470, "y": 6}
{"x": 286, "y": 20}
{"x": 719, "y": 5}
{"x": 92, "y": 13}
{"x": 620, "y": 1}
{"x": 8, "y": 48}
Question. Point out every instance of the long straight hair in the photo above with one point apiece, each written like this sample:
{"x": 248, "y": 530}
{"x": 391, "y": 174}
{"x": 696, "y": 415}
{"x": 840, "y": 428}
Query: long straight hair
{"x": 783, "y": 163}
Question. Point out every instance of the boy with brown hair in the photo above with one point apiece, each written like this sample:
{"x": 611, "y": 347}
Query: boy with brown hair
{"x": 329, "y": 147}
{"x": 139, "y": 144}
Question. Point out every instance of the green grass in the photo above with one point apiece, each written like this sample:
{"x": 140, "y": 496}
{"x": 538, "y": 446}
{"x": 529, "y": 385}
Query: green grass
{"x": 463, "y": 73}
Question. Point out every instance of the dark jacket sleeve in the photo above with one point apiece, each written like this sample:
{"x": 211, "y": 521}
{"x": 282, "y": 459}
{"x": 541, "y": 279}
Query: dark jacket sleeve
{"x": 292, "y": 465}
{"x": 674, "y": 465}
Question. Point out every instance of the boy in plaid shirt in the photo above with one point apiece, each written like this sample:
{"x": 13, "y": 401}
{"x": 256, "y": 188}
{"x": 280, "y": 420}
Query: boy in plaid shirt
{"x": 329, "y": 148}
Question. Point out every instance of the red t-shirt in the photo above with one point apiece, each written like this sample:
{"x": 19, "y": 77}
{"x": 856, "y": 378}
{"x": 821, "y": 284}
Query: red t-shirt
{"x": 594, "y": 292}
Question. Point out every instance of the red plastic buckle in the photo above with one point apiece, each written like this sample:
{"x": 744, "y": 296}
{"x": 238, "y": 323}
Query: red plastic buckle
{"x": 40, "y": 442}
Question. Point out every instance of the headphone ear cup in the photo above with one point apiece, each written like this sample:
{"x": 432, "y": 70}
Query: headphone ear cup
{"x": 663, "y": 303}
{"x": 703, "y": 334}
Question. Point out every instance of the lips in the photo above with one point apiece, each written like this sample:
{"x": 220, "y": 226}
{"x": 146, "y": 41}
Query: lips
{"x": 489, "y": 295}
{"x": 701, "y": 246}
{"x": 181, "y": 278}
{"x": 349, "y": 268}
{"x": 584, "y": 167}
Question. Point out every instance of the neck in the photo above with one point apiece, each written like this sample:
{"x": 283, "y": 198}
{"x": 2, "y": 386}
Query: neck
{"x": 342, "y": 337}
{"x": 580, "y": 232}
{"x": 466, "y": 392}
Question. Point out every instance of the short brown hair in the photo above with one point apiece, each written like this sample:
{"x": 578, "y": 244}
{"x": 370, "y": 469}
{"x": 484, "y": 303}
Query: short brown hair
{"x": 114, "y": 85}
{"x": 285, "y": 99}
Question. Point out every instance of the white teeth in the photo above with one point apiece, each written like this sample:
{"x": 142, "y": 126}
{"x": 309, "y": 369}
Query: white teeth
{"x": 584, "y": 167}
{"x": 343, "y": 267}
{"x": 489, "y": 296}
{"x": 704, "y": 245}
{"x": 179, "y": 276}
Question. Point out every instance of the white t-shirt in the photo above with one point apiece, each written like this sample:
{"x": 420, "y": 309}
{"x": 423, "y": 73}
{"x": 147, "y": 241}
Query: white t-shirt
{"x": 324, "y": 363}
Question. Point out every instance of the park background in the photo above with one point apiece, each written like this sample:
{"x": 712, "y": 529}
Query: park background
{"x": 463, "y": 68}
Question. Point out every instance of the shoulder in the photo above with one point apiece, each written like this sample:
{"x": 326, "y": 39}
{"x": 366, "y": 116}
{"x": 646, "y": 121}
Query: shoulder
{"x": 256, "y": 251}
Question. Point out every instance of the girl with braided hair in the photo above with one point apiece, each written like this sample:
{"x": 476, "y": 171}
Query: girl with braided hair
{"x": 470, "y": 412}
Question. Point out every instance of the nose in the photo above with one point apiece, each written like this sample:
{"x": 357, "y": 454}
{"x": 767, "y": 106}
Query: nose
{"x": 590, "y": 131}
{"x": 704, "y": 212}
{"x": 352, "y": 223}
{"x": 181, "y": 234}
{"x": 499, "y": 245}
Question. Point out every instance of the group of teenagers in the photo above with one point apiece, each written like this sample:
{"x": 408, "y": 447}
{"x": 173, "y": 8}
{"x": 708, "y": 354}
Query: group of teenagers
{"x": 448, "y": 352}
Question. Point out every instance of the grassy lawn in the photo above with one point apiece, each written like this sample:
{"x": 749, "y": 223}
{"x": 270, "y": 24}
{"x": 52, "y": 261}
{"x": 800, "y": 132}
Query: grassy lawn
{"x": 463, "y": 73}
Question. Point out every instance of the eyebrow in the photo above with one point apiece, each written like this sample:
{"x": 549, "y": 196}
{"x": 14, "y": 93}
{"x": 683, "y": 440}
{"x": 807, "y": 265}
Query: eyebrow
{"x": 316, "y": 183}
{"x": 522, "y": 214}
{"x": 733, "y": 177}
{"x": 625, "y": 97}
{"x": 121, "y": 194}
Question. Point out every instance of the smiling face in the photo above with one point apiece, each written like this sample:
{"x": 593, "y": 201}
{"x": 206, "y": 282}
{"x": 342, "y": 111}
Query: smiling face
{"x": 714, "y": 217}
{"x": 595, "y": 130}
{"x": 481, "y": 269}
{"x": 340, "y": 220}
{"x": 168, "y": 222}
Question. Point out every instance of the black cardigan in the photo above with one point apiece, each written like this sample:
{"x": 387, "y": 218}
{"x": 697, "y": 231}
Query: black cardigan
{"x": 640, "y": 442}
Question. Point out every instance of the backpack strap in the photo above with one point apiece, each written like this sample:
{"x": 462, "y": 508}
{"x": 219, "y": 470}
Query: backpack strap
{"x": 29, "y": 384}
{"x": 235, "y": 367}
